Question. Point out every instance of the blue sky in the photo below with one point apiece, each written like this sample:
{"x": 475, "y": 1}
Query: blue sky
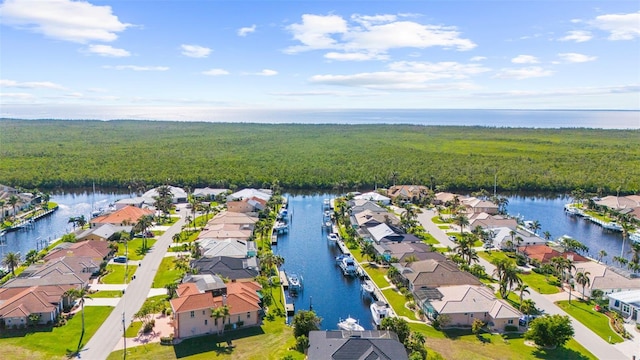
{"x": 121, "y": 58}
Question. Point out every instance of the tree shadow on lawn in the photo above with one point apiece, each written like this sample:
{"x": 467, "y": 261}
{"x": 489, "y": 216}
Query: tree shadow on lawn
{"x": 217, "y": 343}
{"x": 558, "y": 353}
{"x": 14, "y": 333}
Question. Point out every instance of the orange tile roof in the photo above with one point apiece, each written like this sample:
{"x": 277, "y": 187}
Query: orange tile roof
{"x": 241, "y": 297}
{"x": 544, "y": 253}
{"x": 29, "y": 300}
{"x": 95, "y": 249}
{"x": 129, "y": 214}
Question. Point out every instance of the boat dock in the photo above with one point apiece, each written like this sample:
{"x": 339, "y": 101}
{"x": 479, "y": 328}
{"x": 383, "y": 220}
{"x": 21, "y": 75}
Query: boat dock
{"x": 283, "y": 280}
{"x": 343, "y": 247}
{"x": 274, "y": 239}
{"x": 26, "y": 223}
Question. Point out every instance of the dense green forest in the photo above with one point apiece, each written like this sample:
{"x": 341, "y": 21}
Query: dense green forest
{"x": 50, "y": 154}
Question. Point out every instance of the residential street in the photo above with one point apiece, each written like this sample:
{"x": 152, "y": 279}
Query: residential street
{"x": 110, "y": 333}
{"x": 592, "y": 342}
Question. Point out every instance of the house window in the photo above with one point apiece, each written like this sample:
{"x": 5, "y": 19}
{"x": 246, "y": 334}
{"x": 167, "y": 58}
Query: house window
{"x": 510, "y": 321}
{"x": 193, "y": 314}
{"x": 471, "y": 314}
{"x": 248, "y": 315}
{"x": 239, "y": 318}
{"x": 616, "y": 304}
{"x": 202, "y": 312}
{"x": 625, "y": 308}
{"x": 206, "y": 321}
{"x": 215, "y": 322}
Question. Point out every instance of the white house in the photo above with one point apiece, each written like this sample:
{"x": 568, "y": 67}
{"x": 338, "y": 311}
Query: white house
{"x": 374, "y": 196}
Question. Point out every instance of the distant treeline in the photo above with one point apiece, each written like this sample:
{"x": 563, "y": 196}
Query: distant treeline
{"x": 50, "y": 154}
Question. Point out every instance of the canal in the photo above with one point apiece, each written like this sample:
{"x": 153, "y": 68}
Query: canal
{"x": 309, "y": 254}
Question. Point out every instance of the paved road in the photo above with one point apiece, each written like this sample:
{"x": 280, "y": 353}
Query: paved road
{"x": 587, "y": 338}
{"x": 106, "y": 338}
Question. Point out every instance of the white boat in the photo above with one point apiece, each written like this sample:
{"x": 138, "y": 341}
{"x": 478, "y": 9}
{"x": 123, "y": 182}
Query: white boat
{"x": 635, "y": 236}
{"x": 379, "y": 311}
{"x": 339, "y": 258}
{"x": 333, "y": 237}
{"x": 350, "y": 324}
{"x": 367, "y": 286}
{"x": 295, "y": 284}
{"x": 280, "y": 226}
{"x": 348, "y": 266}
{"x": 327, "y": 214}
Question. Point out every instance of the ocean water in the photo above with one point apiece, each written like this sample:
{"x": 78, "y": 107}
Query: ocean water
{"x": 602, "y": 119}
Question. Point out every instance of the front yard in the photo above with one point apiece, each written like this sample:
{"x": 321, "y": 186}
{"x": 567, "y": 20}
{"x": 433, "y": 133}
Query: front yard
{"x": 594, "y": 320}
{"x": 115, "y": 274}
{"x": 134, "y": 251}
{"x": 52, "y": 342}
{"x": 537, "y": 282}
{"x": 167, "y": 273}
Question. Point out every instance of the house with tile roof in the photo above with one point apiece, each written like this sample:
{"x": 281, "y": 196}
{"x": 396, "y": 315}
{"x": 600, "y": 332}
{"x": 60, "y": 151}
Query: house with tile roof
{"x": 208, "y": 193}
{"x": 227, "y": 231}
{"x": 247, "y": 205}
{"x": 357, "y": 206}
{"x": 465, "y": 303}
{"x": 490, "y": 222}
{"x": 227, "y": 247}
{"x": 228, "y": 267}
{"x": 476, "y": 206}
{"x": 544, "y": 254}
{"x": 178, "y": 195}
{"x": 194, "y": 310}
{"x": 102, "y": 232}
{"x": 97, "y": 250}
{"x": 263, "y": 194}
{"x": 606, "y": 278}
{"x": 375, "y": 197}
{"x": 126, "y": 216}
{"x": 408, "y": 192}
{"x": 403, "y": 250}
{"x": 366, "y": 345}
{"x": 19, "y": 305}
{"x": 368, "y": 218}
{"x": 431, "y": 274}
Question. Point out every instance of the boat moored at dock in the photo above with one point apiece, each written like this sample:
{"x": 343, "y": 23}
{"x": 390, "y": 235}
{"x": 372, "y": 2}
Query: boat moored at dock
{"x": 348, "y": 266}
{"x": 295, "y": 284}
{"x": 367, "y": 286}
{"x": 379, "y": 311}
{"x": 350, "y": 324}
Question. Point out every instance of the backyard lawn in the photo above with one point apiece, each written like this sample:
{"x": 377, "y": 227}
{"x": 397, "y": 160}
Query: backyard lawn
{"x": 134, "y": 246}
{"x": 594, "y": 320}
{"x": 115, "y": 274}
{"x": 272, "y": 340}
{"x": 397, "y": 301}
{"x": 106, "y": 294}
{"x": 377, "y": 274}
{"x": 167, "y": 273}
{"x": 537, "y": 282}
{"x": 52, "y": 342}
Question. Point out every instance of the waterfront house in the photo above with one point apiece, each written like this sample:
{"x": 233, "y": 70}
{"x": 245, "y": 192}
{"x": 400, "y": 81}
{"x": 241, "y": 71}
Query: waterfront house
{"x": 623, "y": 204}
{"x": 368, "y": 218}
{"x": 477, "y": 206}
{"x": 207, "y": 283}
{"x": 228, "y": 247}
{"x": 491, "y": 222}
{"x": 606, "y": 278}
{"x": 411, "y": 193}
{"x": 544, "y": 254}
{"x": 24, "y": 200}
{"x": 402, "y": 250}
{"x": 102, "y": 232}
{"x": 228, "y": 267}
{"x": 194, "y": 311}
{"x": 442, "y": 198}
{"x": 332, "y": 345}
{"x": 249, "y": 193}
{"x": 431, "y": 274}
{"x": 374, "y": 196}
{"x": 247, "y": 205}
{"x": 508, "y": 238}
{"x": 97, "y": 250}
{"x": 627, "y": 303}
{"x": 22, "y": 306}
{"x": 126, "y": 216}
{"x": 178, "y": 195}
{"x": 357, "y": 206}
{"x": 208, "y": 193}
{"x": 384, "y": 233}
{"x": 137, "y": 201}
{"x": 227, "y": 231}
{"x": 465, "y": 303}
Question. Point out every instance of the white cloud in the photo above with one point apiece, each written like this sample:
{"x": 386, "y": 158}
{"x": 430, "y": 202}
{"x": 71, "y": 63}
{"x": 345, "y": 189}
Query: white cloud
{"x": 97, "y": 90}
{"x": 604, "y": 90}
{"x": 353, "y": 56}
{"x": 107, "y": 50}
{"x": 195, "y": 51}
{"x": 408, "y": 75}
{"x": 244, "y": 31}
{"x": 137, "y": 68}
{"x": 16, "y": 96}
{"x": 525, "y": 59}
{"x": 577, "y": 36}
{"x": 523, "y": 73}
{"x": 216, "y": 72}
{"x": 374, "y": 35}
{"x": 267, "y": 72}
{"x": 31, "y": 85}
{"x": 478, "y": 58}
{"x": 576, "y": 58}
{"x": 76, "y": 21}
{"x": 620, "y": 26}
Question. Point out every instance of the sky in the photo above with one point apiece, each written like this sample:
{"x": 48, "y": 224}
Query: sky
{"x": 128, "y": 57}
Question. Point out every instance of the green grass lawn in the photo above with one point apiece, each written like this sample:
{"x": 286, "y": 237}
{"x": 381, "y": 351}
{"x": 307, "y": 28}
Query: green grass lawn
{"x": 106, "y": 294}
{"x": 115, "y": 274}
{"x": 397, "y": 301}
{"x": 272, "y": 340}
{"x": 133, "y": 329}
{"x": 537, "y": 282}
{"x": 462, "y": 344}
{"x": 52, "y": 342}
{"x": 377, "y": 274}
{"x": 167, "y": 273}
{"x": 429, "y": 239}
{"x": 595, "y": 321}
{"x": 437, "y": 220}
{"x": 443, "y": 227}
{"x": 134, "y": 248}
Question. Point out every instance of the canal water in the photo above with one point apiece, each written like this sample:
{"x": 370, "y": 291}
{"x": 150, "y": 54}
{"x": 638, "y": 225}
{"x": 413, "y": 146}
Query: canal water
{"x": 309, "y": 254}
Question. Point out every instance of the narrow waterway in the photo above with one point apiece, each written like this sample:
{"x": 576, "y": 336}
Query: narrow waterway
{"x": 309, "y": 254}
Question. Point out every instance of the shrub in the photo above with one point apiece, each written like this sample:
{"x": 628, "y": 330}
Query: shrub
{"x": 510, "y": 328}
{"x": 166, "y": 340}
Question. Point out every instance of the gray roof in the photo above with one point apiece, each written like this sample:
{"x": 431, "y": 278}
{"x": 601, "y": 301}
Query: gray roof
{"x": 350, "y": 345}
{"x": 206, "y": 282}
{"x": 104, "y": 231}
{"x": 227, "y": 267}
{"x": 208, "y": 191}
{"x": 362, "y": 205}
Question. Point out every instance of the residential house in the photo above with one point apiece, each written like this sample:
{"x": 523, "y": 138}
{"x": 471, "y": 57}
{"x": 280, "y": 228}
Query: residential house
{"x": 410, "y": 193}
{"x": 403, "y": 250}
{"x": 368, "y": 218}
{"x": 178, "y": 195}
{"x": 247, "y": 205}
{"x": 384, "y": 233}
{"x": 431, "y": 274}
{"x": 227, "y": 267}
{"x": 137, "y": 201}
{"x": 24, "y": 200}
{"x": 227, "y": 231}
{"x": 21, "y": 306}
{"x": 624, "y": 204}
{"x": 264, "y": 194}
{"x": 507, "y": 238}
{"x": 627, "y": 303}
{"x": 477, "y": 206}
{"x": 101, "y": 233}
{"x": 608, "y": 279}
{"x": 491, "y": 222}
{"x": 357, "y": 206}
{"x": 97, "y": 250}
{"x": 365, "y": 345}
{"x": 208, "y": 193}
{"x": 207, "y": 283}
{"x": 124, "y": 217}
{"x": 194, "y": 310}
{"x": 465, "y": 303}
{"x": 442, "y": 198}
{"x": 375, "y": 197}
{"x": 228, "y": 247}
{"x": 544, "y": 254}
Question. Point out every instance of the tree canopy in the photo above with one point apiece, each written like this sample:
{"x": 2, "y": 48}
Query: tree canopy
{"x": 305, "y": 321}
{"x": 550, "y": 330}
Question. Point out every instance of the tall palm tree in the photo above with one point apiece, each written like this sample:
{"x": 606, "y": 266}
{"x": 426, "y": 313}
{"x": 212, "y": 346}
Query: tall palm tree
{"x": 11, "y": 260}
{"x": 522, "y": 288}
{"x": 142, "y": 226}
{"x": 507, "y": 273}
{"x": 462, "y": 221}
{"x": 626, "y": 229}
{"x": 547, "y": 235}
{"x": 2, "y": 202}
{"x": 13, "y": 201}
{"x": 535, "y": 226}
{"x": 601, "y": 254}
{"x": 220, "y": 312}
{"x": 80, "y": 294}
{"x": 582, "y": 278}
{"x": 528, "y": 307}
{"x": 635, "y": 253}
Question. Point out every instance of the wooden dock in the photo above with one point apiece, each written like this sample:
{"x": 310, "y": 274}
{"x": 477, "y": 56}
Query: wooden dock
{"x": 274, "y": 239}
{"x": 283, "y": 280}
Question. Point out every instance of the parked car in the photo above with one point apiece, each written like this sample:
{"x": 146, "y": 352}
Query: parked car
{"x": 120, "y": 259}
{"x": 453, "y": 238}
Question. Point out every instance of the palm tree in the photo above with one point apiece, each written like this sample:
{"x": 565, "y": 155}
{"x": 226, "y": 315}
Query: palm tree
{"x": 601, "y": 254}
{"x": 582, "y": 278}
{"x": 11, "y": 260}
{"x": 73, "y": 220}
{"x": 626, "y": 229}
{"x": 635, "y": 253}
{"x": 80, "y": 294}
{"x": 535, "y": 226}
{"x": 177, "y": 237}
{"x": 143, "y": 224}
{"x": 507, "y": 273}
{"x": 462, "y": 221}
{"x": 13, "y": 201}
{"x": 2, "y": 202}
{"x": 547, "y": 235}
{"x": 220, "y": 312}
{"x": 81, "y": 221}
{"x": 267, "y": 260}
{"x": 522, "y": 288}
{"x": 528, "y": 307}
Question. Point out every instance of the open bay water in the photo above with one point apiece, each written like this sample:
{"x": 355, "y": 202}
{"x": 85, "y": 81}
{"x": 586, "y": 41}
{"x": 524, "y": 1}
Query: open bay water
{"x": 600, "y": 119}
